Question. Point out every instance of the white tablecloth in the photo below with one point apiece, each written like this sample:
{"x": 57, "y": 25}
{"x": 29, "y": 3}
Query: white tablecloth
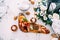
{"x": 7, "y": 22}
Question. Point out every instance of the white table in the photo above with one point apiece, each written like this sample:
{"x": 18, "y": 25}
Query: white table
{"x": 7, "y": 22}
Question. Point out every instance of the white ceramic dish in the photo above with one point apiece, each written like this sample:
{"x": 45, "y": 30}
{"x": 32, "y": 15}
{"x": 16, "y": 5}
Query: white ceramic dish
{"x": 24, "y": 6}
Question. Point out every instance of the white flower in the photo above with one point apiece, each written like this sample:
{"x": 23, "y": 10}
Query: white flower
{"x": 42, "y": 13}
{"x": 44, "y": 17}
{"x": 55, "y": 16}
{"x": 42, "y": 7}
{"x": 50, "y": 16}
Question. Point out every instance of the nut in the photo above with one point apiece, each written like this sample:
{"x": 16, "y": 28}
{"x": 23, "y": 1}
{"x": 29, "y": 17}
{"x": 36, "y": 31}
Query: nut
{"x": 27, "y": 13}
{"x": 15, "y": 17}
{"x": 32, "y": 2}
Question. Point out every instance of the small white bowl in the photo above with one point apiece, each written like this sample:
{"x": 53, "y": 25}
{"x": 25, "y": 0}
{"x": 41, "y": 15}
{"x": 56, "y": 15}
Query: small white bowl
{"x": 24, "y": 6}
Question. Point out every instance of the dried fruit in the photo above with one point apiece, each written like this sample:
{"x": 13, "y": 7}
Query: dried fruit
{"x": 15, "y": 17}
{"x": 14, "y": 28}
{"x": 32, "y": 2}
{"x": 27, "y": 13}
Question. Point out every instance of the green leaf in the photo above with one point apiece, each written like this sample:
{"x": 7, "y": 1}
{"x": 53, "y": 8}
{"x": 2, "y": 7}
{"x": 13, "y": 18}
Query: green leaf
{"x": 35, "y": 9}
{"x": 25, "y": 20}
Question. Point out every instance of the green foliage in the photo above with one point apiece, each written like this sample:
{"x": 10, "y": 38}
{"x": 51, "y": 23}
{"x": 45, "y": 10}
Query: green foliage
{"x": 25, "y": 20}
{"x": 48, "y": 12}
{"x": 48, "y": 21}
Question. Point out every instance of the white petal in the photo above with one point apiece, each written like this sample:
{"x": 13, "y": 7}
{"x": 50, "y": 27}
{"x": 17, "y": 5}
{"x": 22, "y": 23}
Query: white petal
{"x": 43, "y": 7}
{"x": 42, "y": 13}
{"x": 44, "y": 17}
{"x": 55, "y": 16}
{"x": 50, "y": 16}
